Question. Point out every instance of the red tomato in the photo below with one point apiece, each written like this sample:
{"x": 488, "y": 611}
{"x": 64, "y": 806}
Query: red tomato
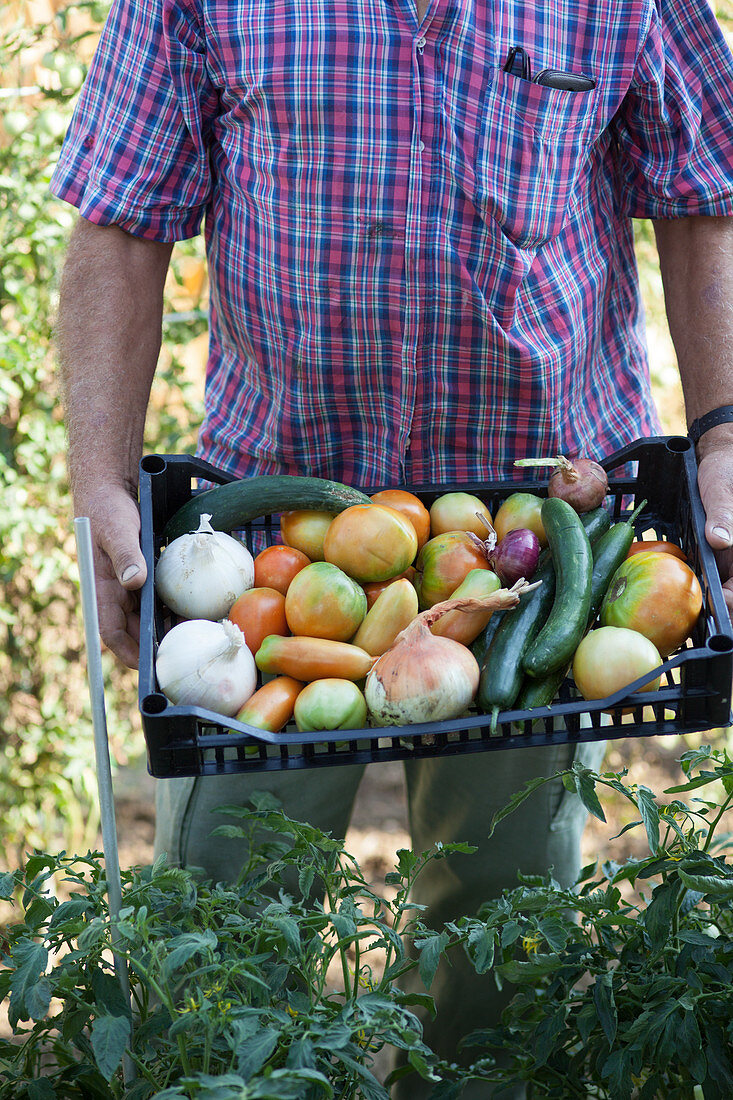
{"x": 259, "y": 612}
{"x": 323, "y": 602}
{"x": 656, "y": 594}
{"x": 443, "y": 563}
{"x": 457, "y": 512}
{"x": 611, "y": 657}
{"x": 410, "y": 506}
{"x": 374, "y": 589}
{"x": 275, "y": 566}
{"x": 662, "y": 547}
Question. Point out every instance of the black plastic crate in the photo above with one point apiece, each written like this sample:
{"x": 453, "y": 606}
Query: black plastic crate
{"x": 695, "y": 693}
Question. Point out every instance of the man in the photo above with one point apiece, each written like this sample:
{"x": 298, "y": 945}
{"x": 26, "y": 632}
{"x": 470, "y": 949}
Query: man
{"x": 421, "y": 256}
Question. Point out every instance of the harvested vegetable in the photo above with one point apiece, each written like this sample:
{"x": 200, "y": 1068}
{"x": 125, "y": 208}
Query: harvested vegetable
{"x": 424, "y": 677}
{"x": 205, "y": 664}
{"x": 199, "y": 576}
{"x": 582, "y": 482}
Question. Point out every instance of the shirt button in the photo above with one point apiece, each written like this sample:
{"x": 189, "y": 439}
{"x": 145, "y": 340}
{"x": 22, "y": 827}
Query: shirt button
{"x": 421, "y": 42}
{"x": 422, "y": 146}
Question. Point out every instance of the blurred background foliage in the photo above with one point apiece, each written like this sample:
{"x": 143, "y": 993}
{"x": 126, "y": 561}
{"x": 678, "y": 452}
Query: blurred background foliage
{"x": 48, "y": 795}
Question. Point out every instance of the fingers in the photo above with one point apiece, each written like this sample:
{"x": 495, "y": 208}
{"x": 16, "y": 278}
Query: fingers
{"x": 715, "y": 481}
{"x": 120, "y": 570}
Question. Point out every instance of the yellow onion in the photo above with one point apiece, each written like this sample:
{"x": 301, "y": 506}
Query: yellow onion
{"x": 424, "y": 677}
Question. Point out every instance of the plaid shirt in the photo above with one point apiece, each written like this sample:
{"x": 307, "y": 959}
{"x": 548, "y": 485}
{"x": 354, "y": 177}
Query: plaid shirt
{"x": 422, "y": 267}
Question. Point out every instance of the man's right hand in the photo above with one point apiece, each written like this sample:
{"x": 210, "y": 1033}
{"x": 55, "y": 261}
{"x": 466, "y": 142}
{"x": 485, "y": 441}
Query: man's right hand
{"x": 119, "y": 568}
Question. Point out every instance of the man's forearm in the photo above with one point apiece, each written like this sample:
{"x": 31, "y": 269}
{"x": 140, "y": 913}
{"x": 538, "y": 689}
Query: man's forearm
{"x": 696, "y": 259}
{"x": 108, "y": 341}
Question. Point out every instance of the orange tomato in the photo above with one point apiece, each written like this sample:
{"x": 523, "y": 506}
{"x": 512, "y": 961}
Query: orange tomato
{"x": 275, "y": 566}
{"x": 411, "y": 506}
{"x": 656, "y": 594}
{"x": 640, "y": 546}
{"x": 305, "y": 529}
{"x": 273, "y": 705}
{"x": 370, "y": 542}
{"x": 259, "y": 612}
{"x": 375, "y": 589}
{"x": 313, "y": 658}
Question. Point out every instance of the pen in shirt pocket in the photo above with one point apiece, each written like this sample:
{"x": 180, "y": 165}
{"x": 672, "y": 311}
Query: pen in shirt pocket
{"x": 518, "y": 63}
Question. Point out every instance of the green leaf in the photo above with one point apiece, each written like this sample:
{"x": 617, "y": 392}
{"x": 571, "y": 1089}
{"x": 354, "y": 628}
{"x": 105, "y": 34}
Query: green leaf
{"x": 660, "y": 912}
{"x": 108, "y": 994}
{"x": 110, "y": 1035}
{"x": 586, "y": 790}
{"x": 430, "y": 948}
{"x": 519, "y": 972}
{"x": 714, "y": 885}
{"x": 30, "y": 994}
{"x": 7, "y": 886}
{"x": 254, "y": 1052}
{"x": 480, "y": 947}
{"x": 649, "y": 815}
{"x": 689, "y": 1045}
{"x": 547, "y": 1033}
{"x": 40, "y": 1090}
{"x": 517, "y": 799}
{"x": 183, "y": 947}
{"x": 69, "y": 910}
{"x": 306, "y": 876}
{"x": 605, "y": 1005}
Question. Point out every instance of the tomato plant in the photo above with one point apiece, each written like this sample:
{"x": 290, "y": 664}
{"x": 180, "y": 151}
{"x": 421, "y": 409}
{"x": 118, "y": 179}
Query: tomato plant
{"x": 371, "y": 542}
{"x": 323, "y": 602}
{"x": 410, "y": 506}
{"x": 656, "y": 594}
{"x": 611, "y": 657}
{"x": 275, "y": 566}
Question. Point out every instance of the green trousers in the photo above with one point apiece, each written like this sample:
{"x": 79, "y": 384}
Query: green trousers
{"x": 449, "y": 799}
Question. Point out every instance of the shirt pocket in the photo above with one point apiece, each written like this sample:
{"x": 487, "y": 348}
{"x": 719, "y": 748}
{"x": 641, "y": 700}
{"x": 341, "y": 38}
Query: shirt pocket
{"x": 532, "y": 142}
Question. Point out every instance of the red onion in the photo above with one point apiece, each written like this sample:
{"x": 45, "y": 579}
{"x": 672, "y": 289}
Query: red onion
{"x": 515, "y": 556}
{"x": 582, "y": 482}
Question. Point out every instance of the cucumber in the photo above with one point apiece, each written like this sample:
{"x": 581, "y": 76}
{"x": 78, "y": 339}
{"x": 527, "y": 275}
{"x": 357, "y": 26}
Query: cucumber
{"x": 500, "y": 656}
{"x": 572, "y": 556}
{"x": 608, "y": 553}
{"x": 540, "y": 693}
{"x": 501, "y": 672}
{"x": 236, "y": 503}
{"x": 610, "y": 545}
{"x": 480, "y": 646}
{"x": 596, "y": 523}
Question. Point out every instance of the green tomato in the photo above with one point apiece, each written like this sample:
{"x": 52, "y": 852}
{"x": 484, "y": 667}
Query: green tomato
{"x": 330, "y": 704}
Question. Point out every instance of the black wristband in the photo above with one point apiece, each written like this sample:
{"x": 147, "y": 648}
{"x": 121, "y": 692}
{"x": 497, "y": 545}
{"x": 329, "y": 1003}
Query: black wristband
{"x": 723, "y": 415}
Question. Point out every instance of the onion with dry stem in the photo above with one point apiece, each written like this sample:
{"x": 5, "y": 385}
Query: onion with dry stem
{"x": 424, "y": 677}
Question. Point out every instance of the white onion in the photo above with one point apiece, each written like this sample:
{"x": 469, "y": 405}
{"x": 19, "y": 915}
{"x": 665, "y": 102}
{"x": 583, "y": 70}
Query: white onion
{"x": 424, "y": 677}
{"x": 206, "y": 664}
{"x": 200, "y": 576}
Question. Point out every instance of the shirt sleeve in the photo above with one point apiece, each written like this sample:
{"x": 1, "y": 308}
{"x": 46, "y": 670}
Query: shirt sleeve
{"x": 136, "y": 152}
{"x": 675, "y": 126}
